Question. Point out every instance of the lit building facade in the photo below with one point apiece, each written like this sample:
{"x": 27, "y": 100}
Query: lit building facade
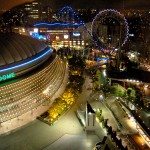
{"x": 65, "y": 38}
{"x": 33, "y": 10}
{"x": 56, "y": 37}
{"x": 24, "y": 89}
{"x": 38, "y": 11}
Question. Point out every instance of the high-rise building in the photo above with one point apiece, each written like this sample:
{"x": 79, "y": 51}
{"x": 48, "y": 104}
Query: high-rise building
{"x": 38, "y": 11}
{"x": 33, "y": 10}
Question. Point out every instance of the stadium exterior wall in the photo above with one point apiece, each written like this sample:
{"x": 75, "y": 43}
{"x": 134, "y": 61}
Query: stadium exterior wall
{"x": 22, "y": 101}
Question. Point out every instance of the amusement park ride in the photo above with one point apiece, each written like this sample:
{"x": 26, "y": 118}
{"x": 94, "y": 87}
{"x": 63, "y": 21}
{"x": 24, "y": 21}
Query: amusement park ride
{"x": 109, "y": 30}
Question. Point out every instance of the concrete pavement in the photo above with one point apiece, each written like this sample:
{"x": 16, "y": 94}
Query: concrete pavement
{"x": 38, "y": 135}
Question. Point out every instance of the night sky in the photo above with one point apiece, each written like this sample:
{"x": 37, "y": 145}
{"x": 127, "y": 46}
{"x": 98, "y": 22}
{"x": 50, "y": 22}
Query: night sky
{"x": 7, "y": 4}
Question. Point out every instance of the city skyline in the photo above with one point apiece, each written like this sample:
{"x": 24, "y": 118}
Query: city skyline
{"x": 120, "y": 4}
{"x": 74, "y": 75}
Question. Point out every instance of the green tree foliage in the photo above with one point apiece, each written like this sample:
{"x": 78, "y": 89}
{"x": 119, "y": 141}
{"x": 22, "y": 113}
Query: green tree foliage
{"x": 135, "y": 96}
{"x": 76, "y": 62}
{"x": 76, "y": 82}
{"x": 131, "y": 94}
{"x": 118, "y": 90}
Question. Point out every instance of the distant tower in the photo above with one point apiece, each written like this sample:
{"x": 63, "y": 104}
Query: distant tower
{"x": 90, "y": 118}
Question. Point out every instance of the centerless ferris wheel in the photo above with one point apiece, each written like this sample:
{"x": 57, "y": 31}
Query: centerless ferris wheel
{"x": 109, "y": 30}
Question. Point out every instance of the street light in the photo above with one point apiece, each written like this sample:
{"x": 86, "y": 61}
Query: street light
{"x": 101, "y": 97}
{"x": 104, "y": 73}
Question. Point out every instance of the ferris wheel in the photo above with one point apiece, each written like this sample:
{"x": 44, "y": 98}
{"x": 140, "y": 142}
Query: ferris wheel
{"x": 109, "y": 30}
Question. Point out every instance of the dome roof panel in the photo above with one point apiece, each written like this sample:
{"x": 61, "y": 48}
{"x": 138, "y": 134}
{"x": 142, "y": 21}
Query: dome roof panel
{"x": 15, "y": 48}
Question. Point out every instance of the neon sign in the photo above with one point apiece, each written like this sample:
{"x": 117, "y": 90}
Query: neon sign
{"x": 76, "y": 34}
{"x": 37, "y": 36}
{"x": 58, "y": 24}
{"x": 7, "y": 76}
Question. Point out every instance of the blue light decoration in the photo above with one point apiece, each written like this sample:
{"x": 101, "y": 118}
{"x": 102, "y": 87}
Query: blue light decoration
{"x": 72, "y": 12}
{"x": 38, "y": 36}
{"x": 58, "y": 24}
{"x": 102, "y": 59}
{"x": 73, "y": 22}
{"x": 11, "y": 68}
{"x": 77, "y": 34}
{"x": 77, "y": 21}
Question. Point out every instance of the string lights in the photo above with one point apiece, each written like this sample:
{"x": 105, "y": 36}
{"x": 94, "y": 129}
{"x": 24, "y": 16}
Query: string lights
{"x": 27, "y": 94}
{"x": 114, "y": 14}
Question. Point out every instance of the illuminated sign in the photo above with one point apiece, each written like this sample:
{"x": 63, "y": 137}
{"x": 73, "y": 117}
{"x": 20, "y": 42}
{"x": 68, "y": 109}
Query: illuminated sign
{"x": 76, "y": 34}
{"x": 7, "y": 76}
{"x": 131, "y": 35}
{"x": 66, "y": 36}
{"x": 37, "y": 36}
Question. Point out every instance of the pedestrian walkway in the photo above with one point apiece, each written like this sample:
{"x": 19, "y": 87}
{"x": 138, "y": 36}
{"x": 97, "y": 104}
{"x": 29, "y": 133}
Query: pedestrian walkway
{"x": 74, "y": 142}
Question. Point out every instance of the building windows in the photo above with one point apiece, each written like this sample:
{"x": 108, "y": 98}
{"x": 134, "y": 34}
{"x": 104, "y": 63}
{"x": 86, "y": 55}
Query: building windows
{"x": 66, "y": 36}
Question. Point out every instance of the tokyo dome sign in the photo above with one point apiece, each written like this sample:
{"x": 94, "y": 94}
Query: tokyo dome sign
{"x": 7, "y": 76}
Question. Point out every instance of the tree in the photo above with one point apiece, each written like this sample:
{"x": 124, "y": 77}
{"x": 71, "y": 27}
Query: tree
{"x": 118, "y": 90}
{"x": 131, "y": 94}
{"x": 138, "y": 98}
